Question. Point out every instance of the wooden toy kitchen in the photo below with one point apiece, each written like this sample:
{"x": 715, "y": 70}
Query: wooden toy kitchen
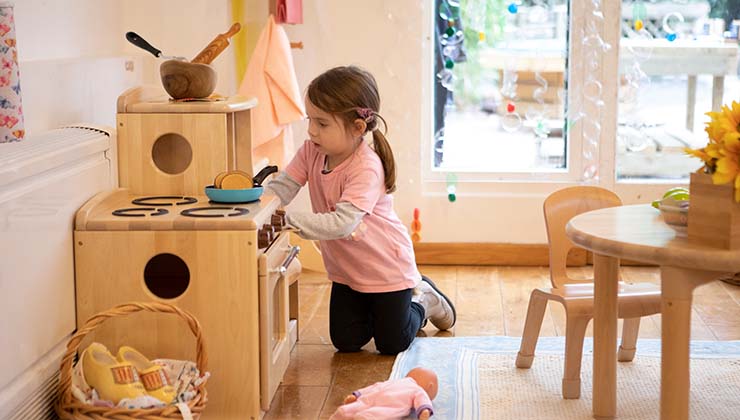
{"x": 159, "y": 238}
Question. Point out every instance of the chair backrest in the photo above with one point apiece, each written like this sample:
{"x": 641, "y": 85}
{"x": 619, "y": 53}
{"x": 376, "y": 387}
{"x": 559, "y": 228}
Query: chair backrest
{"x": 559, "y": 208}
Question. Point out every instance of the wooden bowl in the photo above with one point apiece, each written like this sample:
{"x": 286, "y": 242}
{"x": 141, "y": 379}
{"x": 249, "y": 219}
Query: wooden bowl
{"x": 182, "y": 79}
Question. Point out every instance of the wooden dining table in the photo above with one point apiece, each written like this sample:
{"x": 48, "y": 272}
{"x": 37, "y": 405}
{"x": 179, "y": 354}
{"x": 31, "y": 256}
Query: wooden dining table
{"x": 637, "y": 232}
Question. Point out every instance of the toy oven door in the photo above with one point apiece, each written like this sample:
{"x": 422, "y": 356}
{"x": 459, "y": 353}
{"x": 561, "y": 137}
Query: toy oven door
{"x": 278, "y": 271}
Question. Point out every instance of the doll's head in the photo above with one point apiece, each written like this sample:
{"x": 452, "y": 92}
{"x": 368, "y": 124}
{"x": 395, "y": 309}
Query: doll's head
{"x": 426, "y": 378}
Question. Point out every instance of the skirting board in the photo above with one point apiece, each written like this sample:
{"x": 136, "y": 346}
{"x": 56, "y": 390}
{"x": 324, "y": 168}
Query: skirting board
{"x": 475, "y": 253}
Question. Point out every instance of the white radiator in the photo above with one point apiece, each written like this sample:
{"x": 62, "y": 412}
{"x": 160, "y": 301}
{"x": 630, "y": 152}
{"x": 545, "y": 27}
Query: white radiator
{"x": 44, "y": 180}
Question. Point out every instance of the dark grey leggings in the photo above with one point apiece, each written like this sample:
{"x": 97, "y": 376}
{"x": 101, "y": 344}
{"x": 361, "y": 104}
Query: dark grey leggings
{"x": 391, "y": 318}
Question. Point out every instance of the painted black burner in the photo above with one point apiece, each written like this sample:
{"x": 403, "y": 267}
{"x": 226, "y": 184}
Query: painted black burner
{"x": 140, "y": 212}
{"x": 177, "y": 200}
{"x": 204, "y": 211}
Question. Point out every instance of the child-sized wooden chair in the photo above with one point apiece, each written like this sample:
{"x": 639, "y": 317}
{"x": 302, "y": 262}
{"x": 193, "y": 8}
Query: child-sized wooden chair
{"x": 577, "y": 296}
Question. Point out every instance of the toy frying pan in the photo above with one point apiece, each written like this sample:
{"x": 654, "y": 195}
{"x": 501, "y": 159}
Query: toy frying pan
{"x": 262, "y": 174}
{"x": 246, "y": 195}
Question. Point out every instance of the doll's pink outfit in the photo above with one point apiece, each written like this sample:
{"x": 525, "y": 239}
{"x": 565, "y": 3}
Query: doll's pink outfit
{"x": 387, "y": 400}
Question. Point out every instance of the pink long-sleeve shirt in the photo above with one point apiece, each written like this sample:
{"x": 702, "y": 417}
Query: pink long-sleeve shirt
{"x": 380, "y": 257}
{"x": 393, "y": 399}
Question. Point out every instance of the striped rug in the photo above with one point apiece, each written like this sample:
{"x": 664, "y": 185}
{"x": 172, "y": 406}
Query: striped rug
{"x": 478, "y": 379}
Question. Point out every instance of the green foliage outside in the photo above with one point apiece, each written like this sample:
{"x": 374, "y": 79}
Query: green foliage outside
{"x": 488, "y": 16}
{"x": 725, "y": 9}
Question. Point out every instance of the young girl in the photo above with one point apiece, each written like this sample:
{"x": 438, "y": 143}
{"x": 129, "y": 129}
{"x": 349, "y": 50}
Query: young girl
{"x": 377, "y": 291}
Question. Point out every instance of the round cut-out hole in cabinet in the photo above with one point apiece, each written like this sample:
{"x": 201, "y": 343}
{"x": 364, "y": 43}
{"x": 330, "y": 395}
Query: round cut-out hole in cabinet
{"x": 172, "y": 153}
{"x": 166, "y": 276}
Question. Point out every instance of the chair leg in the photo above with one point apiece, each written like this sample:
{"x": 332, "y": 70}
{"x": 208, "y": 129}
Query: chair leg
{"x": 535, "y": 314}
{"x": 575, "y": 330}
{"x": 630, "y": 329}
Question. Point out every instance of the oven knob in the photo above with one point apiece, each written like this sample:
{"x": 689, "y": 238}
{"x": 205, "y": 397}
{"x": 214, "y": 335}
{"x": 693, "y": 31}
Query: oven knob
{"x": 270, "y": 231}
{"x": 281, "y": 213}
{"x": 263, "y": 239}
{"x": 277, "y": 222}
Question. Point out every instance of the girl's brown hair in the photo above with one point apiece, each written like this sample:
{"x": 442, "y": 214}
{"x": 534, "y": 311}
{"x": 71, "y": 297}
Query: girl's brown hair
{"x": 348, "y": 92}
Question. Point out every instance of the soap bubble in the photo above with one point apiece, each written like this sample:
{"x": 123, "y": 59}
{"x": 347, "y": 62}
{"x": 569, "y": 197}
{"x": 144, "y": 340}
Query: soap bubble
{"x": 511, "y": 122}
{"x": 667, "y": 22}
{"x": 534, "y": 114}
{"x": 590, "y": 172}
{"x": 636, "y": 143}
{"x": 591, "y": 129}
{"x": 592, "y": 90}
{"x": 642, "y": 45}
{"x": 628, "y": 93}
{"x": 447, "y": 79}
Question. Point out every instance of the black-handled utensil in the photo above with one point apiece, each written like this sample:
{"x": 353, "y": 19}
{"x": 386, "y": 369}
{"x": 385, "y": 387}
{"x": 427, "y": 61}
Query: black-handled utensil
{"x": 140, "y": 42}
{"x": 262, "y": 174}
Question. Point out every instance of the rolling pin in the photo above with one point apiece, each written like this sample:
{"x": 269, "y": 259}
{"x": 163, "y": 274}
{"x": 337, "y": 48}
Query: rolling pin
{"x": 212, "y": 50}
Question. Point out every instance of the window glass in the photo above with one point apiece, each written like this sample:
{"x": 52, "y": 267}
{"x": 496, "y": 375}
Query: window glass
{"x": 499, "y": 97}
{"x": 678, "y": 60}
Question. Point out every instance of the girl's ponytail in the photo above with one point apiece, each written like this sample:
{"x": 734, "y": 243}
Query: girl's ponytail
{"x": 383, "y": 149}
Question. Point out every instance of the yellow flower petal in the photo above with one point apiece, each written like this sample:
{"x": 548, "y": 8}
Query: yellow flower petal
{"x": 732, "y": 141}
{"x": 699, "y": 153}
{"x": 728, "y": 164}
{"x": 732, "y": 114}
{"x": 719, "y": 178}
{"x": 727, "y": 170}
{"x": 714, "y": 150}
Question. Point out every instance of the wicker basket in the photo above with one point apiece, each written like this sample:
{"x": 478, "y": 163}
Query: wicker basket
{"x": 68, "y": 407}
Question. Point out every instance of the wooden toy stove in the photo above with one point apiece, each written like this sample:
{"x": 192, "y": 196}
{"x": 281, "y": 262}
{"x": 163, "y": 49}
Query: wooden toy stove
{"x": 160, "y": 239}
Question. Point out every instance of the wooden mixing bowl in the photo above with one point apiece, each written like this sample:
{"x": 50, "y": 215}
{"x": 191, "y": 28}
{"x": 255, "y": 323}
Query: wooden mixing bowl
{"x": 182, "y": 79}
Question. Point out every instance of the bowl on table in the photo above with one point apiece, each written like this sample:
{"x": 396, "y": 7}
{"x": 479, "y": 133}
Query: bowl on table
{"x": 677, "y": 217}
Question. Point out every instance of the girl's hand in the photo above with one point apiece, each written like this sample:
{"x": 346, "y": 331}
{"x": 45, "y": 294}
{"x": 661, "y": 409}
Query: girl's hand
{"x": 351, "y": 398}
{"x": 425, "y": 413}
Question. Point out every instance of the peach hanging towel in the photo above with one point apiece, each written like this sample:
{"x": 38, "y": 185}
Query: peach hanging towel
{"x": 270, "y": 77}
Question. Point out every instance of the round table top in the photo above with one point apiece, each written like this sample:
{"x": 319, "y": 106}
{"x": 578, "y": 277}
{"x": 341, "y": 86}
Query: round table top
{"x": 637, "y": 232}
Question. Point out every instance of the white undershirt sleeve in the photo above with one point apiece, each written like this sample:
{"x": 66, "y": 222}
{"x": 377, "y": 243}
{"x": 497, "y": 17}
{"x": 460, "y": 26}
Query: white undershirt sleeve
{"x": 283, "y": 186}
{"x": 326, "y": 226}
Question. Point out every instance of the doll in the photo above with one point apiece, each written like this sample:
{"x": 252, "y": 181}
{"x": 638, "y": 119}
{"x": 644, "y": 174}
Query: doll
{"x": 392, "y": 399}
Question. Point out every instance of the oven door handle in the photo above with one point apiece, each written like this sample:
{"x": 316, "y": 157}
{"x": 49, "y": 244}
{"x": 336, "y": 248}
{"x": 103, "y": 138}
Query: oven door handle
{"x": 294, "y": 250}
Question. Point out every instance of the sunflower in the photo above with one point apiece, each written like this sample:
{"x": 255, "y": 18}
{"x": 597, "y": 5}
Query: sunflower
{"x": 702, "y": 154}
{"x": 721, "y": 156}
{"x": 724, "y": 124}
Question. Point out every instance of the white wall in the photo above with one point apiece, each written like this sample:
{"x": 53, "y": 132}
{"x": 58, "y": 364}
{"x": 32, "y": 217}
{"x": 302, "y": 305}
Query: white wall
{"x": 384, "y": 36}
{"x": 75, "y": 60}
{"x": 71, "y": 64}
{"x": 51, "y": 29}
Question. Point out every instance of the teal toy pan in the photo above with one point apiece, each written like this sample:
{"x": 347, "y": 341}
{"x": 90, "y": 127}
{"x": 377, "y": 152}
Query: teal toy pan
{"x": 246, "y": 195}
